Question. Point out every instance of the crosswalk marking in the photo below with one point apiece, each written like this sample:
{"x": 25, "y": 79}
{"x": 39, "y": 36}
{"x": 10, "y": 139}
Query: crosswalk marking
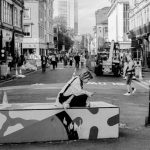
{"x": 104, "y": 83}
{"x": 142, "y": 84}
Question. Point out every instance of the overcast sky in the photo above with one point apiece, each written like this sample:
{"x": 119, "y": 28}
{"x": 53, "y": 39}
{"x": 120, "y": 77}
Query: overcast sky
{"x": 87, "y": 10}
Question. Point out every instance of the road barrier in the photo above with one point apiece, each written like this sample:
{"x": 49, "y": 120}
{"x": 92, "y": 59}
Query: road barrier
{"x": 42, "y": 122}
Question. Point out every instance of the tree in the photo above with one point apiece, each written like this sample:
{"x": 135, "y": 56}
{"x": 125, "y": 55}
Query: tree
{"x": 64, "y": 35}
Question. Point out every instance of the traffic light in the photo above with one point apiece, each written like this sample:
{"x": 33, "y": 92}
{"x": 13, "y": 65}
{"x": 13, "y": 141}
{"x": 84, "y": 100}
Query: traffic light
{"x": 2, "y": 55}
{"x": 55, "y": 44}
{"x": 116, "y": 46}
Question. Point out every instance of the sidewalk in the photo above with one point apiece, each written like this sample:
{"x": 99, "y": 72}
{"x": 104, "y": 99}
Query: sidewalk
{"x": 145, "y": 76}
{"x": 12, "y": 74}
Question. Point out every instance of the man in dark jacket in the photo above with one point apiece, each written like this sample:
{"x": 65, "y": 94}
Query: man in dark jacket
{"x": 77, "y": 60}
{"x": 43, "y": 62}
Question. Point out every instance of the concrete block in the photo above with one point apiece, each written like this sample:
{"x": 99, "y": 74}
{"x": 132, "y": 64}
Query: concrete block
{"x": 41, "y": 122}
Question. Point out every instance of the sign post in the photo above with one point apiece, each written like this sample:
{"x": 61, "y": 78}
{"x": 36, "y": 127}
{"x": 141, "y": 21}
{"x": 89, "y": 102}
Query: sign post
{"x": 147, "y": 121}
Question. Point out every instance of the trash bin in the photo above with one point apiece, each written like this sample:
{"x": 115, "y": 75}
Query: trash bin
{"x": 138, "y": 68}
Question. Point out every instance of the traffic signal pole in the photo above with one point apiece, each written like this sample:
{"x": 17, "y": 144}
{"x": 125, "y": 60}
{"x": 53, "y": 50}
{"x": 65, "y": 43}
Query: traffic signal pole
{"x": 147, "y": 122}
{"x": 149, "y": 108}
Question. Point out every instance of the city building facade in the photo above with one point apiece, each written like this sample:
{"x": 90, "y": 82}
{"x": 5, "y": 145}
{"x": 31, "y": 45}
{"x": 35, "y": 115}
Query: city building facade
{"x": 139, "y": 17}
{"x": 118, "y": 23}
{"x": 38, "y": 27}
{"x": 101, "y": 28}
{"x": 11, "y": 26}
{"x": 76, "y": 17}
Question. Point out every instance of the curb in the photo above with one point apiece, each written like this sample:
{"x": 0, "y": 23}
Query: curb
{"x": 15, "y": 78}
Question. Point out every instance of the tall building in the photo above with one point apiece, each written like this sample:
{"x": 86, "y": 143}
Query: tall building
{"x": 118, "y": 23}
{"x": 76, "y": 16}
{"x": 11, "y": 27}
{"x": 101, "y": 29}
{"x": 139, "y": 17}
{"x": 68, "y": 10}
{"x": 38, "y": 26}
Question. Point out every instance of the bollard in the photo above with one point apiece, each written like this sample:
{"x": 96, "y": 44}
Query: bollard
{"x": 140, "y": 73}
{"x": 149, "y": 107}
{"x": 4, "y": 98}
{"x": 16, "y": 74}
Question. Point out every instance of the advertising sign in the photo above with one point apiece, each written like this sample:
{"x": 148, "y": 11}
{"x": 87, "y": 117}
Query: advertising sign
{"x": 7, "y": 35}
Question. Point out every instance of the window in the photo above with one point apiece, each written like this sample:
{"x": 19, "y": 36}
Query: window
{"x": 126, "y": 18}
{"x": 7, "y": 12}
{"x": 27, "y": 13}
{"x": 106, "y": 29}
{"x": 15, "y": 16}
{"x": 148, "y": 14}
{"x": 27, "y": 30}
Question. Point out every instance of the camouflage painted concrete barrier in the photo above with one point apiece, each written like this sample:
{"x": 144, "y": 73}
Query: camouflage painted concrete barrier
{"x": 41, "y": 122}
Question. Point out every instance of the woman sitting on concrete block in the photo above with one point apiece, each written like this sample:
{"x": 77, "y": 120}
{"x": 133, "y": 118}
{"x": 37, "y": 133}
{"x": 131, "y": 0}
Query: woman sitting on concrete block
{"x": 72, "y": 94}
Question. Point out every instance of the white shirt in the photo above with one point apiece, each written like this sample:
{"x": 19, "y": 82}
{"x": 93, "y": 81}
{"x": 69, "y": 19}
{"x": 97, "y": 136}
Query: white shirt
{"x": 74, "y": 89}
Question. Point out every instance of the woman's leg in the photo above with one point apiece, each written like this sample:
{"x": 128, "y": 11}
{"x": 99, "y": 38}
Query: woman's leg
{"x": 79, "y": 101}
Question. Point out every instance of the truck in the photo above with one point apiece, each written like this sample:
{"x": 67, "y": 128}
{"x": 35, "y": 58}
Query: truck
{"x": 108, "y": 61}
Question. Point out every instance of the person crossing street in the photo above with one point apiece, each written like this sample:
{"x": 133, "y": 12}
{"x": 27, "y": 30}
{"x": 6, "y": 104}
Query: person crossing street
{"x": 129, "y": 73}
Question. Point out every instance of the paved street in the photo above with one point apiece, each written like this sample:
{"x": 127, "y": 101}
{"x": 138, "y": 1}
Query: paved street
{"x": 42, "y": 88}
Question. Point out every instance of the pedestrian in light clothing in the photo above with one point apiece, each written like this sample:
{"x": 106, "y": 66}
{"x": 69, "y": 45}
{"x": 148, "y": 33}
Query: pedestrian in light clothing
{"x": 73, "y": 94}
{"x": 129, "y": 74}
{"x": 82, "y": 61}
{"x": 54, "y": 63}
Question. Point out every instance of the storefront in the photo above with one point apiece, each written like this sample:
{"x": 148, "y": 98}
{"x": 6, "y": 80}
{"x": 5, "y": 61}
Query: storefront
{"x": 29, "y": 48}
{"x": 18, "y": 44}
{"x": 141, "y": 41}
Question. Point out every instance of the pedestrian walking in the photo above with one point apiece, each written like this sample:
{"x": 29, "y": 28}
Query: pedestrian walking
{"x": 73, "y": 94}
{"x": 129, "y": 74}
{"x": 82, "y": 61}
{"x": 125, "y": 64}
{"x": 65, "y": 59}
{"x": 43, "y": 62}
{"x": 54, "y": 63}
{"x": 70, "y": 61}
{"x": 9, "y": 60}
{"x": 77, "y": 60}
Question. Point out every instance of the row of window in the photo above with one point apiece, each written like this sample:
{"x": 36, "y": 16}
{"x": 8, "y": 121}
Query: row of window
{"x": 10, "y": 13}
{"x": 125, "y": 19}
{"x": 140, "y": 18}
{"x": 28, "y": 32}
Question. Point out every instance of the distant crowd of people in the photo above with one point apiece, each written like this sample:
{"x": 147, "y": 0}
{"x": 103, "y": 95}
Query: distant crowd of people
{"x": 67, "y": 59}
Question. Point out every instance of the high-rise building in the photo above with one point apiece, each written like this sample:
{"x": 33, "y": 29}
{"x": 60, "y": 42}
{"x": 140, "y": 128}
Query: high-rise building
{"x": 68, "y": 10}
{"x": 76, "y": 16}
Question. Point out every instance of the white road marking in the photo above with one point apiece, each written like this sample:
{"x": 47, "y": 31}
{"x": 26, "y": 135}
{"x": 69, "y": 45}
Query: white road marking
{"x": 104, "y": 83}
{"x": 50, "y": 98}
{"x": 141, "y": 84}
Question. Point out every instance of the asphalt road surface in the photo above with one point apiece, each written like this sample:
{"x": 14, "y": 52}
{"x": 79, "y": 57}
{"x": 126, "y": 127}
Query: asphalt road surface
{"x": 41, "y": 87}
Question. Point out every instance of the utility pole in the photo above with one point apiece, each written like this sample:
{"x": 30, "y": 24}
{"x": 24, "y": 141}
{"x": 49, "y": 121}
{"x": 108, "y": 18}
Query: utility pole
{"x": 147, "y": 121}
